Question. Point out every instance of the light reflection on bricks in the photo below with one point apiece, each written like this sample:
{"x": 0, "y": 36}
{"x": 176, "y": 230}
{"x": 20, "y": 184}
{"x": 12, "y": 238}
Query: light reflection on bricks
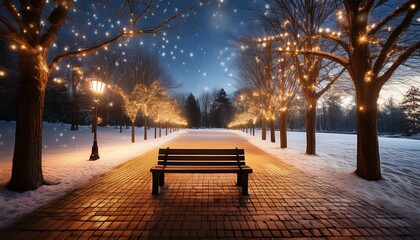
{"x": 283, "y": 203}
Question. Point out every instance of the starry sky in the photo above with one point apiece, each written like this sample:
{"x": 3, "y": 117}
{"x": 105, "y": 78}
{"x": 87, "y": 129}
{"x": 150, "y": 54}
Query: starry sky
{"x": 202, "y": 59}
{"x": 196, "y": 52}
{"x": 199, "y": 54}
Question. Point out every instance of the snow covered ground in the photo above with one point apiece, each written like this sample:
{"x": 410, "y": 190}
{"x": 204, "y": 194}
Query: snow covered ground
{"x": 66, "y": 154}
{"x": 335, "y": 162}
{"x": 66, "y": 161}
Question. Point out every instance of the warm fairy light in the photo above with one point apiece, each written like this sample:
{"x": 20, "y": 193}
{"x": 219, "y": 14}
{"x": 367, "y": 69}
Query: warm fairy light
{"x": 363, "y": 39}
{"x": 361, "y": 108}
{"x": 2, "y": 73}
{"x": 413, "y": 6}
{"x": 368, "y": 76}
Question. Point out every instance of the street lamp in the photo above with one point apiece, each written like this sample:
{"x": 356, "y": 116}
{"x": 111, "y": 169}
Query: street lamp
{"x": 97, "y": 86}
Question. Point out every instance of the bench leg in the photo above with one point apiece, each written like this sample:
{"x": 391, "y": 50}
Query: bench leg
{"x": 238, "y": 179}
{"x": 155, "y": 183}
{"x": 161, "y": 179}
{"x": 244, "y": 183}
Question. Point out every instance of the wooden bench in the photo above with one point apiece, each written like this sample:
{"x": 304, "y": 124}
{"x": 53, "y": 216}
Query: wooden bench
{"x": 172, "y": 160}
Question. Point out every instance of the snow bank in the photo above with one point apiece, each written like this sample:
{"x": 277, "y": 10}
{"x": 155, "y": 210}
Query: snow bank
{"x": 66, "y": 161}
{"x": 335, "y": 163}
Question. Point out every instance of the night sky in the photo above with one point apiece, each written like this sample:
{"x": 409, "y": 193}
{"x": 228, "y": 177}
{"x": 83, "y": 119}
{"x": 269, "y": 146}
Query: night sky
{"x": 196, "y": 52}
{"x": 204, "y": 55}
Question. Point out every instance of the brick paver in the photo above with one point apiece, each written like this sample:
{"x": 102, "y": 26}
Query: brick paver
{"x": 283, "y": 202}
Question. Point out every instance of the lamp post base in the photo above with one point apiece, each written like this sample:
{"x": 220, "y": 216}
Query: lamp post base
{"x": 95, "y": 154}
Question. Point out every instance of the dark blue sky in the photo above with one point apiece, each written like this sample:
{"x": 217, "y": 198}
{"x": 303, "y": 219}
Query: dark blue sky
{"x": 202, "y": 58}
{"x": 197, "y": 53}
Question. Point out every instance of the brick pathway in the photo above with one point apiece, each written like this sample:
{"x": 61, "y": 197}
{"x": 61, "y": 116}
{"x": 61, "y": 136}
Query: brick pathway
{"x": 283, "y": 202}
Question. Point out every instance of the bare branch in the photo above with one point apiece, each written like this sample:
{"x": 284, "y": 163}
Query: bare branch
{"x": 345, "y": 45}
{"x": 338, "y": 59}
{"x": 391, "y": 40}
{"x": 386, "y": 20}
{"x": 152, "y": 30}
{"x": 87, "y": 50}
{"x": 14, "y": 12}
{"x": 145, "y": 10}
{"x": 329, "y": 85}
{"x": 8, "y": 25}
{"x": 57, "y": 18}
{"x": 401, "y": 59}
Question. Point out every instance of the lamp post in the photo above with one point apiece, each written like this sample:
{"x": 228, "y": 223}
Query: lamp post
{"x": 97, "y": 86}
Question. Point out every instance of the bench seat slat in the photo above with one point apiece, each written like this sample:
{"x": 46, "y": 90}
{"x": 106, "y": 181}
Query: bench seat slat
{"x": 180, "y": 151}
{"x": 201, "y": 170}
{"x": 201, "y": 163}
{"x": 201, "y": 157}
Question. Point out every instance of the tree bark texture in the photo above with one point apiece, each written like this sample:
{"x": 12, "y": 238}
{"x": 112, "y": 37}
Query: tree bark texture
{"x": 283, "y": 129}
{"x": 75, "y": 110}
{"x": 145, "y": 128}
{"x": 264, "y": 128}
{"x": 133, "y": 135}
{"x": 27, "y": 156}
{"x": 155, "y": 130}
{"x": 368, "y": 158}
{"x": 310, "y": 128}
{"x": 272, "y": 131}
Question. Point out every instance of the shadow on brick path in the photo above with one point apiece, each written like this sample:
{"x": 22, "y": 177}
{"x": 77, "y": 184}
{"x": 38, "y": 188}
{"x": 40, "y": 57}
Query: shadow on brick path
{"x": 283, "y": 202}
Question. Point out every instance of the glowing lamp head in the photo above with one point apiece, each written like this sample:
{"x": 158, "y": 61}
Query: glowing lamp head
{"x": 97, "y": 86}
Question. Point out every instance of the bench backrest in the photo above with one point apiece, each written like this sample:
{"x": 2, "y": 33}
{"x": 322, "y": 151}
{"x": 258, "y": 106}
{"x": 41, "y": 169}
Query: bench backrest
{"x": 201, "y": 157}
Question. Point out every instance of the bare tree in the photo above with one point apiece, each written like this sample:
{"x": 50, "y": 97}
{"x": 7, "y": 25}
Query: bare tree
{"x": 377, "y": 37}
{"x": 291, "y": 20}
{"x": 26, "y": 28}
{"x": 287, "y": 88}
{"x": 255, "y": 66}
{"x": 205, "y": 101}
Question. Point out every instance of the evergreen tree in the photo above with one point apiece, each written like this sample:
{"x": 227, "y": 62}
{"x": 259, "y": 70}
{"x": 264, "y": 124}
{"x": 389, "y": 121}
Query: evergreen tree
{"x": 389, "y": 118}
{"x": 411, "y": 108}
{"x": 192, "y": 111}
{"x": 222, "y": 109}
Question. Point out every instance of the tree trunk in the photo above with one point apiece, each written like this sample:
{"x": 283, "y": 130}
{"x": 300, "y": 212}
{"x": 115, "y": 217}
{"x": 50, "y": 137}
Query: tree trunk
{"x": 272, "y": 131}
{"x": 310, "y": 127}
{"x": 155, "y": 130}
{"x": 133, "y": 136}
{"x": 264, "y": 128}
{"x": 145, "y": 128}
{"x": 75, "y": 110}
{"x": 27, "y": 156}
{"x": 283, "y": 129}
{"x": 368, "y": 159}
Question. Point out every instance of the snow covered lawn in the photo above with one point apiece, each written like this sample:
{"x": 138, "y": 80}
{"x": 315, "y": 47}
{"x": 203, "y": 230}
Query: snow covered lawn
{"x": 335, "y": 162}
{"x": 66, "y": 154}
{"x": 66, "y": 161}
